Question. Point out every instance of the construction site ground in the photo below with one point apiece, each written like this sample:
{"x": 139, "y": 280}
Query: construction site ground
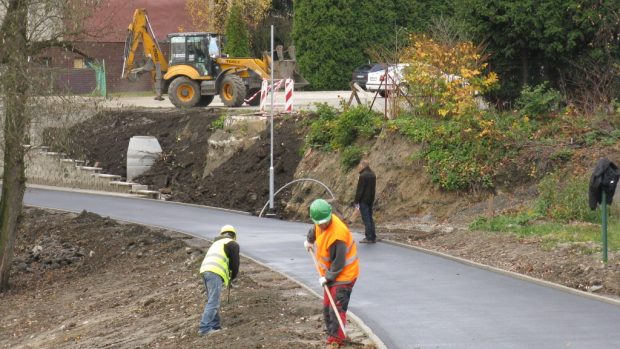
{"x": 140, "y": 288}
{"x": 85, "y": 281}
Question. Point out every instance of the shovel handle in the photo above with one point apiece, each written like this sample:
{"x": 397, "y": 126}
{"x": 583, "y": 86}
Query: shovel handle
{"x": 329, "y": 295}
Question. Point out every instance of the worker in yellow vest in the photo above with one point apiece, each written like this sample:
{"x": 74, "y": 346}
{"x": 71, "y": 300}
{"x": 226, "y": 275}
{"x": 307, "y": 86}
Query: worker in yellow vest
{"x": 219, "y": 267}
{"x": 336, "y": 253}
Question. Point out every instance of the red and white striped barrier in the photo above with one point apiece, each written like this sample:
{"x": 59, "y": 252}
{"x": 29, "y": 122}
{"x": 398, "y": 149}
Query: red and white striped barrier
{"x": 288, "y": 93}
{"x": 251, "y": 98}
{"x": 263, "y": 94}
{"x": 289, "y": 86}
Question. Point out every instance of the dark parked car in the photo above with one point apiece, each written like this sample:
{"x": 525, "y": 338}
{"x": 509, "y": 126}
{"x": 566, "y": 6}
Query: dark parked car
{"x": 360, "y": 74}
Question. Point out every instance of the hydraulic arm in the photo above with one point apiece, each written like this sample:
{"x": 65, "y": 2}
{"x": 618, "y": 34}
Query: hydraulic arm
{"x": 140, "y": 31}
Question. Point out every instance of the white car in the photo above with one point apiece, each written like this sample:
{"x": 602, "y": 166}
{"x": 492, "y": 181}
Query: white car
{"x": 379, "y": 81}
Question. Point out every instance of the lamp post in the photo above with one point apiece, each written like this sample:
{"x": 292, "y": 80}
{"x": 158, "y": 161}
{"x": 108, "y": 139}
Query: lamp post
{"x": 271, "y": 130}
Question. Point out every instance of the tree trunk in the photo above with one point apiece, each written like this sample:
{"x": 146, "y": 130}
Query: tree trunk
{"x": 14, "y": 183}
{"x": 15, "y": 82}
{"x": 525, "y": 67}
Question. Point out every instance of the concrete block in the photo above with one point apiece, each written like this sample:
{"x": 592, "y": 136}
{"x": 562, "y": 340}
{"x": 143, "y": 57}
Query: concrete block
{"x": 108, "y": 177}
{"x": 136, "y": 187}
{"x": 90, "y": 169}
{"x": 154, "y": 194}
{"x": 122, "y": 187}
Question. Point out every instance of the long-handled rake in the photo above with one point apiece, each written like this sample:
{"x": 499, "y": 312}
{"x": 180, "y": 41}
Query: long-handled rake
{"x": 329, "y": 295}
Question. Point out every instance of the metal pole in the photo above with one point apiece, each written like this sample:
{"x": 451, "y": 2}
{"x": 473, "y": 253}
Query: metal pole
{"x": 386, "y": 92}
{"x": 604, "y": 214}
{"x": 104, "y": 81}
{"x": 271, "y": 122}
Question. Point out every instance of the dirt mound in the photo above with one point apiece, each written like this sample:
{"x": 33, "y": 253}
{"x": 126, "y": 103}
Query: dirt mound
{"x": 104, "y": 139}
{"x": 94, "y": 283}
{"x": 242, "y": 182}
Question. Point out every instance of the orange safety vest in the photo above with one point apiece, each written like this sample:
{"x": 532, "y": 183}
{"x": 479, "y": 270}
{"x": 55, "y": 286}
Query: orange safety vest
{"x": 337, "y": 230}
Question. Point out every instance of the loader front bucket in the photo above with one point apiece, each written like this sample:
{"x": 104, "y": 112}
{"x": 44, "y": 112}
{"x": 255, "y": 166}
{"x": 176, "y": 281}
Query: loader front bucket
{"x": 287, "y": 68}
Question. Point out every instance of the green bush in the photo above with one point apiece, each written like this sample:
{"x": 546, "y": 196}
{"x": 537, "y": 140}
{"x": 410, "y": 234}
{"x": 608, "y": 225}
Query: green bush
{"x": 538, "y": 101}
{"x": 320, "y": 134}
{"x": 504, "y": 223}
{"x": 516, "y": 127}
{"x": 456, "y": 158}
{"x": 219, "y": 122}
{"x": 416, "y": 129}
{"x": 562, "y": 155}
{"x": 607, "y": 138}
{"x": 332, "y": 130}
{"x": 351, "y": 156}
{"x": 562, "y": 201}
{"x": 565, "y": 199}
{"x": 353, "y": 123}
{"x": 591, "y": 137}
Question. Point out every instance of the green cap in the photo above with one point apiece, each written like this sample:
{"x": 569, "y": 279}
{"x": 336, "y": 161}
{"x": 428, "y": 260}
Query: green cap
{"x": 320, "y": 211}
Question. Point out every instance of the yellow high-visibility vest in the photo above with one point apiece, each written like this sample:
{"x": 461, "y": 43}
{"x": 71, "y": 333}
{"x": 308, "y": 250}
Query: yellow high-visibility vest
{"x": 216, "y": 260}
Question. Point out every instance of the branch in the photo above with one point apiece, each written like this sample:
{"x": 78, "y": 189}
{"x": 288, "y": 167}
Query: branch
{"x": 37, "y": 47}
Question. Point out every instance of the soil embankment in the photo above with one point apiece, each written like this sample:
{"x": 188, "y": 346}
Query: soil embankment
{"x": 409, "y": 209}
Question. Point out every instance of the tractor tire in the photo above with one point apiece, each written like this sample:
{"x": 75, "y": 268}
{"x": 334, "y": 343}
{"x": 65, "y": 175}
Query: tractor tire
{"x": 232, "y": 90}
{"x": 205, "y": 100}
{"x": 256, "y": 101}
{"x": 184, "y": 92}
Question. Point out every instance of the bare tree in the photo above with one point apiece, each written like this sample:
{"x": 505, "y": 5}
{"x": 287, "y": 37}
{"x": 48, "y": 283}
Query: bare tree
{"x": 593, "y": 85}
{"x": 27, "y": 28}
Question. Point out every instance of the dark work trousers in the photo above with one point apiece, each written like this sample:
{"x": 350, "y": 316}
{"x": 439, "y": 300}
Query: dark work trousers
{"x": 369, "y": 223}
{"x": 341, "y": 295}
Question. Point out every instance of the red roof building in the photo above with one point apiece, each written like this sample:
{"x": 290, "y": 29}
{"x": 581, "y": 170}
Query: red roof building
{"x": 166, "y": 16}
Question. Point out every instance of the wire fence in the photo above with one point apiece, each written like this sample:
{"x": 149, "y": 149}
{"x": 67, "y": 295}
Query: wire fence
{"x": 89, "y": 80}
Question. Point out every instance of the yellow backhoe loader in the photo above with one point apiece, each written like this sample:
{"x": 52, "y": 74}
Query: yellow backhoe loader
{"x": 197, "y": 70}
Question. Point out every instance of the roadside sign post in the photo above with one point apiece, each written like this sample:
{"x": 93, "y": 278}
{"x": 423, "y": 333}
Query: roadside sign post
{"x": 602, "y": 188}
{"x": 604, "y": 224}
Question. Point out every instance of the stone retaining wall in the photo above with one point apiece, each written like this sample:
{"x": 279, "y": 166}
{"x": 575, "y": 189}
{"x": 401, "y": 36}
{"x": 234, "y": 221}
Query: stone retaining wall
{"x": 54, "y": 169}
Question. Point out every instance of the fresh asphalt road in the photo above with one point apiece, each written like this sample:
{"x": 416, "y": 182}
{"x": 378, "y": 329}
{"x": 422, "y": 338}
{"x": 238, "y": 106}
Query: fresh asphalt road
{"x": 410, "y": 299}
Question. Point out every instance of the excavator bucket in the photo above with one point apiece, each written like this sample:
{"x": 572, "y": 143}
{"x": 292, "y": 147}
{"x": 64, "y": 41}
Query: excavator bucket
{"x": 287, "y": 68}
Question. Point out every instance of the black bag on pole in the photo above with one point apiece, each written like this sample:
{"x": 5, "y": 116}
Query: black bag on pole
{"x": 604, "y": 178}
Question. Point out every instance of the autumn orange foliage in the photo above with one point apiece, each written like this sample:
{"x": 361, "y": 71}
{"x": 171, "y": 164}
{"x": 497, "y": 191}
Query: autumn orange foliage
{"x": 446, "y": 79}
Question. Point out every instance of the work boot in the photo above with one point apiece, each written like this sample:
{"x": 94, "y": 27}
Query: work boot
{"x": 209, "y": 332}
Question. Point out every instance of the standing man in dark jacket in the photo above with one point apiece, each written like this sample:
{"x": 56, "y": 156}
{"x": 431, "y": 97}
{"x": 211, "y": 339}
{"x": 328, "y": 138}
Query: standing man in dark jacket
{"x": 365, "y": 198}
{"x": 219, "y": 267}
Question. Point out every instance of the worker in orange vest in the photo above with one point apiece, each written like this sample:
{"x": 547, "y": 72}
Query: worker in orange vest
{"x": 336, "y": 253}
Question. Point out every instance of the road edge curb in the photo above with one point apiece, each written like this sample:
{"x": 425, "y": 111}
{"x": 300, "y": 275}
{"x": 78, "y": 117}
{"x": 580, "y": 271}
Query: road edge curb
{"x": 512, "y": 274}
{"x": 129, "y": 196}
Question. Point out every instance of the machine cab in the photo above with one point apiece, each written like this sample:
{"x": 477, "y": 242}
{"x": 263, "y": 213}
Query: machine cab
{"x": 196, "y": 49}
